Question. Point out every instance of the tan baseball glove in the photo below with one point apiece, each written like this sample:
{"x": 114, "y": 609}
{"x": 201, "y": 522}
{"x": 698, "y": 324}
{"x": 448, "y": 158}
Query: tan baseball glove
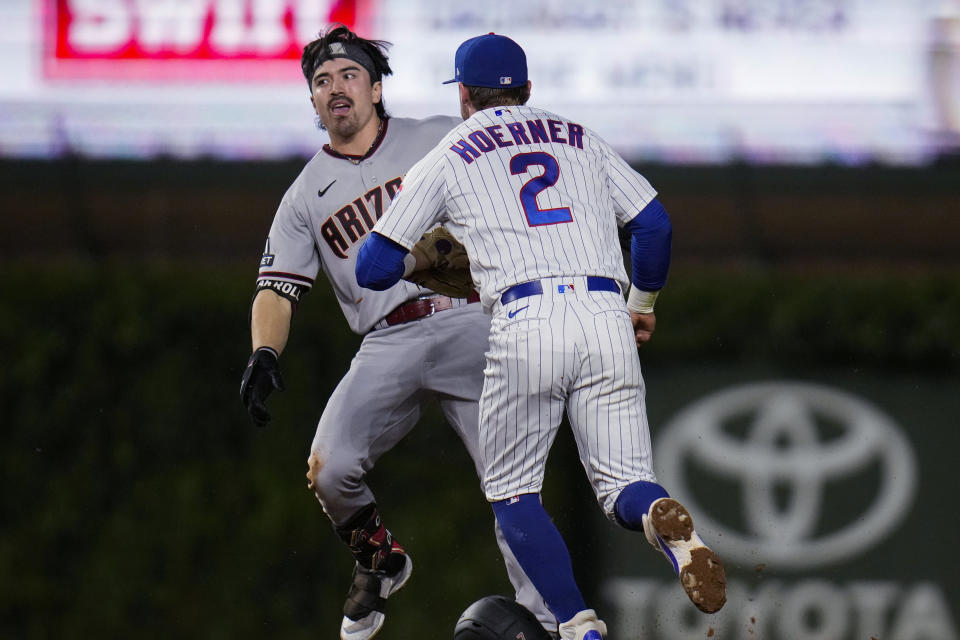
{"x": 449, "y": 272}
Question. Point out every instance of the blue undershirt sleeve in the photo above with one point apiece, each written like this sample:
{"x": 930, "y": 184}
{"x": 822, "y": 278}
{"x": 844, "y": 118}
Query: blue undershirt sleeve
{"x": 379, "y": 263}
{"x": 651, "y": 233}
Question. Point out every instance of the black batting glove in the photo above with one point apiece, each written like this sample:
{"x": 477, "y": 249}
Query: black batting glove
{"x": 261, "y": 377}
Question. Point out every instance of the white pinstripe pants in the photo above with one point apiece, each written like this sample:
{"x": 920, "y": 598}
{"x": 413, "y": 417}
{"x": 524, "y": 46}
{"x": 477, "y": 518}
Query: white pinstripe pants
{"x": 571, "y": 349}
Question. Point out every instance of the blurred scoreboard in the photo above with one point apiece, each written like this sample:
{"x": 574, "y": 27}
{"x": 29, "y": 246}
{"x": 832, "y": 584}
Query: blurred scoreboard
{"x": 679, "y": 81}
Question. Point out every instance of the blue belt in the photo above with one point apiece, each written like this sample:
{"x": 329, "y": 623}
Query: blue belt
{"x": 535, "y": 288}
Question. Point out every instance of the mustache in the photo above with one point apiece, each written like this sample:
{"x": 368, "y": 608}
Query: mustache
{"x": 339, "y": 99}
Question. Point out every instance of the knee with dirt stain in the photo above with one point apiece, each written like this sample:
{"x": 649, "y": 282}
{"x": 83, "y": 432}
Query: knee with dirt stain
{"x": 315, "y": 463}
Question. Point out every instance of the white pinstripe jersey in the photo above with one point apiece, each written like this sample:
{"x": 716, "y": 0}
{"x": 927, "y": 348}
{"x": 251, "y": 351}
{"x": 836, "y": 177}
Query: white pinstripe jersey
{"x": 530, "y": 194}
{"x": 326, "y": 213}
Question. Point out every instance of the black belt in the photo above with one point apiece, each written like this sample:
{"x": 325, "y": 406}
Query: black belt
{"x": 535, "y": 288}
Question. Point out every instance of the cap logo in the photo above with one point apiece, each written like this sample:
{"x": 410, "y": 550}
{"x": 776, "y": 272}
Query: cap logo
{"x": 337, "y": 49}
{"x": 506, "y": 80}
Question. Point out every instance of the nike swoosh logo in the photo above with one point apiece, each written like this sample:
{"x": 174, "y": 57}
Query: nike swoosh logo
{"x": 510, "y": 314}
{"x": 324, "y": 190}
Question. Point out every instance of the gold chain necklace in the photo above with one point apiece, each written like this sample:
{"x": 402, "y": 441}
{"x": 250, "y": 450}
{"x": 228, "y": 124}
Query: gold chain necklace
{"x": 376, "y": 139}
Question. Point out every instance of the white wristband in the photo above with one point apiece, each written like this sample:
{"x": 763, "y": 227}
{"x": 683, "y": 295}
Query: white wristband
{"x": 641, "y": 301}
{"x": 409, "y": 264}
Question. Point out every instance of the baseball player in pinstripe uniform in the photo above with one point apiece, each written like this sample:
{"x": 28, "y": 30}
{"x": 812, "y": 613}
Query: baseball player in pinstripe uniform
{"x": 416, "y": 345}
{"x": 537, "y": 200}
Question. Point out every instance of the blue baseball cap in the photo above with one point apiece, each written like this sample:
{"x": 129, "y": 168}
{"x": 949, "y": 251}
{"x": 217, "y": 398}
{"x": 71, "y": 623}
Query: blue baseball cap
{"x": 490, "y": 61}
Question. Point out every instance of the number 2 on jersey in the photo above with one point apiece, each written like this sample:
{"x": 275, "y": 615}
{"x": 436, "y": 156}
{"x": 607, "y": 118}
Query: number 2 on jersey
{"x": 536, "y": 216}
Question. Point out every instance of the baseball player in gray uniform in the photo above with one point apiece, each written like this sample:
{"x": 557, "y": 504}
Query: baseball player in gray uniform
{"x": 537, "y": 200}
{"x": 416, "y": 345}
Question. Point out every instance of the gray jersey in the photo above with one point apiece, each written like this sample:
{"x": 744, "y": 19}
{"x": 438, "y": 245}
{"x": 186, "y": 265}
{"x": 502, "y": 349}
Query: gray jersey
{"x": 326, "y": 226}
{"x": 323, "y": 219}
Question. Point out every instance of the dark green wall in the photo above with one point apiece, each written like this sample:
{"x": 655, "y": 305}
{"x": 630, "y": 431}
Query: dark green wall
{"x": 138, "y": 500}
{"x": 741, "y": 214}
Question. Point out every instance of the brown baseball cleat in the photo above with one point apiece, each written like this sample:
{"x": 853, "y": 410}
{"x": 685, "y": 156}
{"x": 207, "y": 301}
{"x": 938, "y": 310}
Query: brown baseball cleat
{"x": 669, "y": 528}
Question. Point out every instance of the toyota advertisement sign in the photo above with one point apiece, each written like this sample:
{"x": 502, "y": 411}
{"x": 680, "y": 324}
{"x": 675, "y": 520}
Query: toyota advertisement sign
{"x": 814, "y": 498}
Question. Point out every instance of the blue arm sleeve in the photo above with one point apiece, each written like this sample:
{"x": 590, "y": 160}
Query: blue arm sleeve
{"x": 650, "y": 237}
{"x": 379, "y": 263}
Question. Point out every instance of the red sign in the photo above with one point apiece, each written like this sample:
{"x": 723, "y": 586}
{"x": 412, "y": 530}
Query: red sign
{"x": 185, "y": 39}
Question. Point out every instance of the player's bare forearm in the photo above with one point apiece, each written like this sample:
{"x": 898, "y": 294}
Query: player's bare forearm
{"x": 270, "y": 321}
{"x": 643, "y": 326}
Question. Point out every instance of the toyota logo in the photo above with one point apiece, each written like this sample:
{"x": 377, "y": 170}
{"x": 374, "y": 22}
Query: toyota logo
{"x": 779, "y": 445}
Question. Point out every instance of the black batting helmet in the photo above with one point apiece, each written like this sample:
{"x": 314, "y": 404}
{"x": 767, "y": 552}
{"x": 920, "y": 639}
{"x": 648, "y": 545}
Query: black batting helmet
{"x": 498, "y": 618}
